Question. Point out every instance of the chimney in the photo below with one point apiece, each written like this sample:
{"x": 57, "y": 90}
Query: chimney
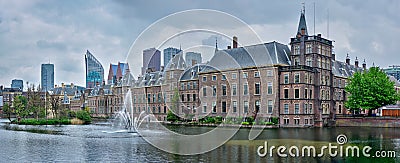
{"x": 319, "y": 35}
{"x": 235, "y": 42}
{"x": 229, "y": 47}
{"x": 356, "y": 62}
{"x": 364, "y": 65}
{"x": 348, "y": 59}
{"x": 62, "y": 85}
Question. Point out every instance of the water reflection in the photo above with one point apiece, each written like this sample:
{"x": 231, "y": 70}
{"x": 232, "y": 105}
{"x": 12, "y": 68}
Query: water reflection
{"x": 95, "y": 143}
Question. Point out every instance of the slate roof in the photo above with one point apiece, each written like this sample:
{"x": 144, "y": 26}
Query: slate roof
{"x": 176, "y": 62}
{"x": 192, "y": 72}
{"x": 302, "y": 24}
{"x": 70, "y": 91}
{"x": 150, "y": 79}
{"x": 250, "y": 56}
{"x": 342, "y": 69}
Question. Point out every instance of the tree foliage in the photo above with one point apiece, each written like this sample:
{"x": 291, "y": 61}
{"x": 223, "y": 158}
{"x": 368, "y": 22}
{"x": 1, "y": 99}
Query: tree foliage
{"x": 370, "y": 90}
{"x": 20, "y": 103}
{"x": 8, "y": 111}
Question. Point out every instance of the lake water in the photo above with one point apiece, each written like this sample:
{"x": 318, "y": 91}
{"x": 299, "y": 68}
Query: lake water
{"x": 102, "y": 143}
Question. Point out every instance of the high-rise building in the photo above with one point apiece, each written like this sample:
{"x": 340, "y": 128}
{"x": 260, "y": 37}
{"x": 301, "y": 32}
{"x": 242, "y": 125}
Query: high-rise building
{"x": 170, "y": 53}
{"x": 17, "y": 83}
{"x": 94, "y": 71}
{"x": 393, "y": 71}
{"x": 193, "y": 58}
{"x": 151, "y": 60}
{"x": 47, "y": 77}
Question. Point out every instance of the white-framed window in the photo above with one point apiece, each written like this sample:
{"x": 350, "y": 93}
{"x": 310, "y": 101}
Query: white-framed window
{"x": 286, "y": 78}
{"x": 223, "y": 77}
{"x": 296, "y": 50}
{"x": 296, "y": 93}
{"x": 297, "y": 78}
{"x": 205, "y": 108}
{"x": 214, "y": 77}
{"x": 204, "y": 78}
{"x": 234, "y": 75}
{"x": 214, "y": 106}
{"x": 257, "y": 88}
{"x": 234, "y": 89}
{"x": 257, "y": 74}
{"x": 309, "y": 61}
{"x": 285, "y": 93}
{"x": 204, "y": 92}
{"x": 234, "y": 106}
{"x": 270, "y": 73}
{"x": 214, "y": 90}
{"x": 308, "y": 48}
{"x": 296, "y": 108}
{"x": 269, "y": 88}
{"x": 245, "y": 75}
{"x": 245, "y": 107}
{"x": 286, "y": 108}
{"x": 245, "y": 89}
{"x": 270, "y": 107}
{"x": 223, "y": 106}
{"x": 223, "y": 87}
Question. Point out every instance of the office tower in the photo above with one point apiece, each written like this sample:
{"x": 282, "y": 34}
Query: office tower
{"x": 94, "y": 71}
{"x": 47, "y": 77}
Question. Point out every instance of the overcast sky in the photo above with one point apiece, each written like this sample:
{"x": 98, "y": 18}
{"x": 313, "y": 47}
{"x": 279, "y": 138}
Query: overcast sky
{"x": 41, "y": 31}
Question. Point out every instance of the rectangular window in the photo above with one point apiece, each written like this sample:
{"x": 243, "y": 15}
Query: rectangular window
{"x": 286, "y": 121}
{"x": 204, "y": 91}
{"x": 245, "y": 107}
{"x": 204, "y": 78}
{"x": 286, "y": 108}
{"x": 182, "y": 86}
{"x": 296, "y": 121}
{"x": 188, "y": 97}
{"x": 305, "y": 93}
{"x": 257, "y": 88}
{"x": 194, "y": 97}
{"x": 269, "y": 88}
{"x": 194, "y": 85}
{"x": 148, "y": 98}
{"x": 297, "y": 78}
{"x": 245, "y": 75}
{"x": 223, "y": 77}
{"x": 257, "y": 106}
{"x": 182, "y": 97}
{"x": 223, "y": 90}
{"x": 234, "y": 75}
{"x": 270, "y": 106}
{"x": 270, "y": 73}
{"x": 234, "y": 89}
{"x": 286, "y": 93}
{"x": 214, "y": 107}
{"x": 305, "y": 109}
{"x": 154, "y": 98}
{"x": 205, "y": 108}
{"x": 257, "y": 74}
{"x": 223, "y": 105}
{"x": 214, "y": 90}
{"x": 296, "y": 108}
{"x": 214, "y": 78}
{"x": 245, "y": 89}
{"x": 296, "y": 93}
{"x": 188, "y": 85}
{"x": 308, "y": 48}
{"x": 286, "y": 79}
{"x": 234, "y": 106}
{"x": 311, "y": 94}
{"x": 296, "y": 50}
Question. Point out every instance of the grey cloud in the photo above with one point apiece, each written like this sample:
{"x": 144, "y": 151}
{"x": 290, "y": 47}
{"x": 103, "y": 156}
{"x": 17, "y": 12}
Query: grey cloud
{"x": 51, "y": 44}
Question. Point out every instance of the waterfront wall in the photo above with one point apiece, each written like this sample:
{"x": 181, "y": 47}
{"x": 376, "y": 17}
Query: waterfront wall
{"x": 367, "y": 122}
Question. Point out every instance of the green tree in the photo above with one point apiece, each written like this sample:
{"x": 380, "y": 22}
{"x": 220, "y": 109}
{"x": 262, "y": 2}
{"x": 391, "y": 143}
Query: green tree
{"x": 173, "y": 109}
{"x": 8, "y": 111}
{"x": 370, "y": 90}
{"x": 20, "y": 103}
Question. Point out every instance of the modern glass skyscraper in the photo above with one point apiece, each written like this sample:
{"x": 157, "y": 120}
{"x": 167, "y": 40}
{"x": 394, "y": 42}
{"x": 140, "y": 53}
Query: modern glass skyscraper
{"x": 94, "y": 71}
{"x": 192, "y": 58}
{"x": 47, "y": 77}
{"x": 170, "y": 53}
{"x": 151, "y": 60}
{"x": 17, "y": 83}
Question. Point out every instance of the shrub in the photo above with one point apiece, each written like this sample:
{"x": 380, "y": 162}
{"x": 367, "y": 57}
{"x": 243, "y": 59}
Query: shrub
{"x": 275, "y": 120}
{"x": 84, "y": 116}
{"x": 245, "y": 123}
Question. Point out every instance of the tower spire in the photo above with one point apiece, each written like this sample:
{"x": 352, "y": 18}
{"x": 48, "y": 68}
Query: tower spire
{"x": 302, "y": 29}
{"x": 216, "y": 44}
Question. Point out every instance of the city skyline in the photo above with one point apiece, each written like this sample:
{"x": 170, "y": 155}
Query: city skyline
{"x": 108, "y": 30}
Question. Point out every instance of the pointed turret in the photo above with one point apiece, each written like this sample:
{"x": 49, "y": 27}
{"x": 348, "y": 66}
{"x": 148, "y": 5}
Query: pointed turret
{"x": 302, "y": 29}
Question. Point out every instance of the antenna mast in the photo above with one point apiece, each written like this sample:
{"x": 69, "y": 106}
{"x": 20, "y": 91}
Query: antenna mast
{"x": 314, "y": 18}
